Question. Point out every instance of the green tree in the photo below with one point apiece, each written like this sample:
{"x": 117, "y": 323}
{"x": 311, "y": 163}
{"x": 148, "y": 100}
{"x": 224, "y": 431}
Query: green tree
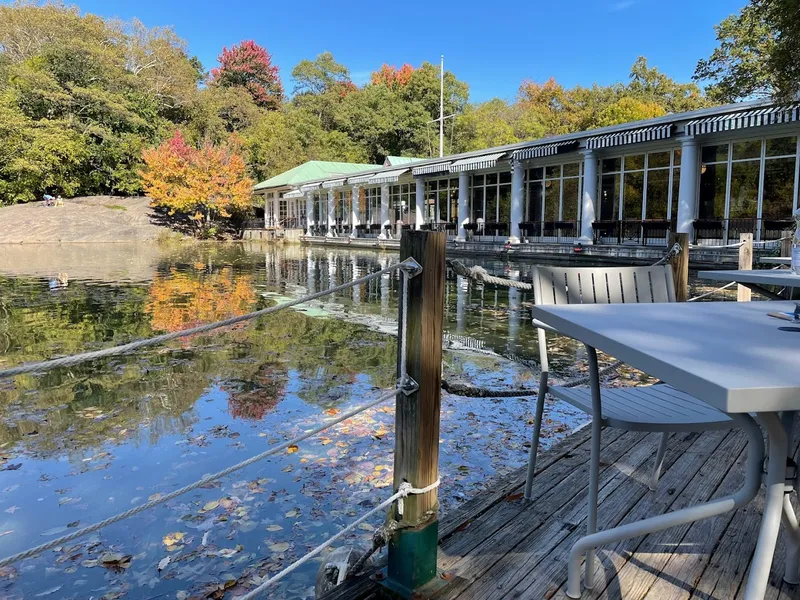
{"x": 751, "y": 58}
{"x": 321, "y": 75}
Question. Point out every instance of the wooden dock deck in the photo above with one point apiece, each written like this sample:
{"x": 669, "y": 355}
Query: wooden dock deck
{"x": 499, "y": 546}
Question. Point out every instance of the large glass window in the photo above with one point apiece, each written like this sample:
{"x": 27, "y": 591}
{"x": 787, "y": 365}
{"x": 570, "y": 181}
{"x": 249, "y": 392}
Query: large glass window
{"x": 490, "y": 198}
{"x": 553, "y": 193}
{"x": 745, "y": 179}
{"x": 441, "y": 200}
{"x": 402, "y": 199}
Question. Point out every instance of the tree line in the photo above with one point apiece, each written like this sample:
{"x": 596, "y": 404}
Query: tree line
{"x": 87, "y": 103}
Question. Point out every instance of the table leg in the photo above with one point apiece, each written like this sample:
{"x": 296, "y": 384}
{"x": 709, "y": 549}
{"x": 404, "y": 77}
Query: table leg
{"x": 773, "y": 508}
{"x": 748, "y": 491}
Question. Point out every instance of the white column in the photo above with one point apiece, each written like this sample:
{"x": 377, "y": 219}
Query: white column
{"x": 355, "y": 213}
{"x": 384, "y": 211}
{"x": 462, "y": 291}
{"x": 267, "y": 204}
{"x": 688, "y": 196}
{"x": 463, "y": 205}
{"x": 311, "y": 269}
{"x": 514, "y": 313}
{"x": 589, "y": 198}
{"x": 420, "y": 203}
{"x": 356, "y": 288}
{"x": 331, "y": 272}
{"x": 517, "y": 196}
{"x": 331, "y": 214}
{"x": 309, "y": 212}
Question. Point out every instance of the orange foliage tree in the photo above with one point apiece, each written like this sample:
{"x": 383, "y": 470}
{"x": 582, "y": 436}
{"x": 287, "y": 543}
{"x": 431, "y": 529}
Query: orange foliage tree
{"x": 203, "y": 183}
{"x": 391, "y": 76}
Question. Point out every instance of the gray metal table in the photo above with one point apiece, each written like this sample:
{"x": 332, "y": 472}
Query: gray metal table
{"x": 730, "y": 355}
{"x": 755, "y": 280}
{"x": 776, "y": 260}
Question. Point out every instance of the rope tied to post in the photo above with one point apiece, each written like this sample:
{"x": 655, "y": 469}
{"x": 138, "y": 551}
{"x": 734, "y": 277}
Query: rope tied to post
{"x": 478, "y": 273}
{"x": 404, "y": 490}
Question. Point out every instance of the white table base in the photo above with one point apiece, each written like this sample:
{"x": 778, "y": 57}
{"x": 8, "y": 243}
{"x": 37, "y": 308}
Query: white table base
{"x": 778, "y": 508}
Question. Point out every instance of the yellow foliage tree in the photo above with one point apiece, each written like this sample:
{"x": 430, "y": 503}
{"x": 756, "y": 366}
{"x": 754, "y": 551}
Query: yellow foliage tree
{"x": 202, "y": 183}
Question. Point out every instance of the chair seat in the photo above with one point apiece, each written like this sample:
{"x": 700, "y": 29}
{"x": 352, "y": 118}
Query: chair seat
{"x": 658, "y": 407}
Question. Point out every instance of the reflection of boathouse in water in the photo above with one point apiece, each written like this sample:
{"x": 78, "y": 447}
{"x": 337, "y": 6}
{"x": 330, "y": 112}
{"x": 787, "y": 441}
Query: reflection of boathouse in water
{"x": 712, "y": 173}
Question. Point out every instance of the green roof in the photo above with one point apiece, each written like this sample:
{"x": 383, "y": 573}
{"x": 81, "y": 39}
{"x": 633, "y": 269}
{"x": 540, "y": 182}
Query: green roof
{"x": 311, "y": 171}
{"x": 395, "y": 161}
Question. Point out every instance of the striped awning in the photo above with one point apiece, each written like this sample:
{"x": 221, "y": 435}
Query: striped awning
{"x": 359, "y": 179}
{"x": 487, "y": 161}
{"x": 333, "y": 183}
{"x": 387, "y": 176}
{"x": 634, "y": 136}
{"x": 440, "y": 167}
{"x": 309, "y": 187}
{"x": 771, "y": 115}
{"x": 543, "y": 150}
{"x": 293, "y": 194}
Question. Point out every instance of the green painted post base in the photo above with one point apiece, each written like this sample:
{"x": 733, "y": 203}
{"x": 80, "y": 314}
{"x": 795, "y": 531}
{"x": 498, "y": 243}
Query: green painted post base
{"x": 412, "y": 560}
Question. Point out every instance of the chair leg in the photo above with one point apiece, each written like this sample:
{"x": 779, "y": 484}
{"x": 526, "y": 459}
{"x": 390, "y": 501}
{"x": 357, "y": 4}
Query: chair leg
{"x": 537, "y": 430}
{"x": 594, "y": 465}
{"x": 662, "y": 449}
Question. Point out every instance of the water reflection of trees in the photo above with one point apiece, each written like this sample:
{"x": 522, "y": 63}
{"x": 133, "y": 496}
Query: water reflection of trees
{"x": 141, "y": 398}
{"x": 179, "y": 300}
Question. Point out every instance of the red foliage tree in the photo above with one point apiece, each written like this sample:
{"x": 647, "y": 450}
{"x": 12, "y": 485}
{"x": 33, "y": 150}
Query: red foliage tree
{"x": 249, "y": 65}
{"x": 391, "y": 76}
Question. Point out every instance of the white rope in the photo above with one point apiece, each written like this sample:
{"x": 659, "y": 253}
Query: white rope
{"x": 703, "y": 247}
{"x": 405, "y": 490}
{"x": 192, "y": 486}
{"x": 69, "y": 361}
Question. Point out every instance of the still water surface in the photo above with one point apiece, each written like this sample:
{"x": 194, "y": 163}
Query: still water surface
{"x": 80, "y": 444}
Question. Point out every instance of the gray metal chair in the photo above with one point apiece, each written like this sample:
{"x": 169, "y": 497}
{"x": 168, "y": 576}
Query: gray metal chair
{"x": 657, "y": 408}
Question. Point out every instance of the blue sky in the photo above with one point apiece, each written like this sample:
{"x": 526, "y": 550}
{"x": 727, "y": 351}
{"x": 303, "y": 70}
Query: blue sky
{"x": 492, "y": 45}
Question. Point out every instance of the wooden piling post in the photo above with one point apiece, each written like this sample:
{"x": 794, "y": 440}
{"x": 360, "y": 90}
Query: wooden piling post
{"x": 680, "y": 266}
{"x": 786, "y": 242}
{"x": 413, "y": 547}
{"x": 743, "y": 294}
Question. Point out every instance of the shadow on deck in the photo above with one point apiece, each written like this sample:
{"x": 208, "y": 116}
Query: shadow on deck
{"x": 499, "y": 546}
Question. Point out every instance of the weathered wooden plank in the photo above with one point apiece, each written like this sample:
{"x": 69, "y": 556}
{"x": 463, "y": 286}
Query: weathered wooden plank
{"x": 687, "y": 562}
{"x": 502, "y": 486}
{"x": 495, "y": 531}
{"x": 528, "y": 568}
{"x": 691, "y": 480}
{"x": 628, "y": 502}
{"x": 474, "y": 531}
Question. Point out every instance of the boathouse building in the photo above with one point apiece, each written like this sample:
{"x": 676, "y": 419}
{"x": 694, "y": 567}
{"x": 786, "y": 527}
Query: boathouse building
{"x": 712, "y": 173}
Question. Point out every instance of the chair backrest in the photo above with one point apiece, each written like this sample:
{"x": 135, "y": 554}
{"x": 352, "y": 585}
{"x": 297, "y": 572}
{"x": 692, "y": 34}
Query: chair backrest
{"x": 603, "y": 285}
{"x": 598, "y": 285}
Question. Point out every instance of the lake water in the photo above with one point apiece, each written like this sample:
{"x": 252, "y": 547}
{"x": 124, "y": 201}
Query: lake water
{"x": 80, "y": 444}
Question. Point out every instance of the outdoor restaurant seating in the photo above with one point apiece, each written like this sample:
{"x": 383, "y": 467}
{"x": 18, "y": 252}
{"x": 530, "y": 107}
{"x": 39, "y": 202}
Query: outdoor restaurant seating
{"x": 654, "y": 408}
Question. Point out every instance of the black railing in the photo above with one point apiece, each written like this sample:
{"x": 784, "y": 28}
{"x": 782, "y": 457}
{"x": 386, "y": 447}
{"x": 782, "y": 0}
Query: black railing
{"x": 727, "y": 231}
{"x": 631, "y": 231}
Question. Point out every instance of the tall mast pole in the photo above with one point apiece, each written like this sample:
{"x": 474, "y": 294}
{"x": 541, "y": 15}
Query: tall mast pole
{"x": 441, "y": 108}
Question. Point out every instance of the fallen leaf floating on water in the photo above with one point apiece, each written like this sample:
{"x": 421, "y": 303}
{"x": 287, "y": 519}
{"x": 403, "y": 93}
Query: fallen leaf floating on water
{"x": 173, "y": 539}
{"x": 274, "y": 528}
{"x": 279, "y": 547}
{"x": 209, "y": 506}
{"x": 116, "y": 560}
{"x": 292, "y": 449}
{"x": 162, "y": 564}
{"x": 229, "y": 552}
